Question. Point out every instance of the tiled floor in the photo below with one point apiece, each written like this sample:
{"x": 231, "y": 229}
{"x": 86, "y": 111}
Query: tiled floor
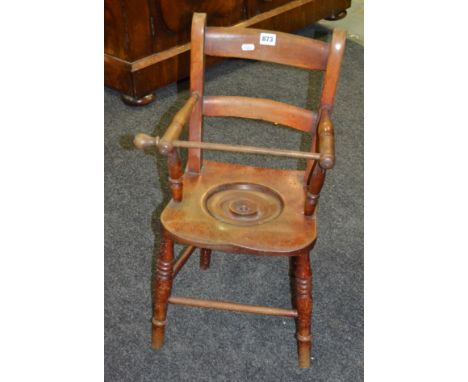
{"x": 353, "y": 22}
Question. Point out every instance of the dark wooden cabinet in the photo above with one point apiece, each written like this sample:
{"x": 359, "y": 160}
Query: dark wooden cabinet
{"x": 146, "y": 42}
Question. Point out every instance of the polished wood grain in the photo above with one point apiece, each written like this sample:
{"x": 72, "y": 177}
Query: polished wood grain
{"x": 237, "y": 208}
{"x": 182, "y": 259}
{"x": 261, "y": 109}
{"x": 326, "y": 141}
{"x": 189, "y": 223}
{"x": 178, "y": 122}
{"x": 232, "y": 306}
{"x": 147, "y": 44}
{"x": 332, "y": 73}
{"x": 303, "y": 301}
{"x": 163, "y": 285}
{"x": 290, "y": 50}
{"x": 337, "y": 16}
{"x": 142, "y": 101}
{"x": 145, "y": 141}
{"x": 313, "y": 189}
{"x": 205, "y": 258}
{"x": 197, "y": 80}
{"x": 127, "y": 32}
{"x": 175, "y": 174}
{"x": 247, "y": 149}
{"x": 178, "y": 18}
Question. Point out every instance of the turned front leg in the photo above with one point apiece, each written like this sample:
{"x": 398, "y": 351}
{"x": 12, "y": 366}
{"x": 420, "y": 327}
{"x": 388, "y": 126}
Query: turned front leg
{"x": 205, "y": 258}
{"x": 162, "y": 290}
{"x": 303, "y": 300}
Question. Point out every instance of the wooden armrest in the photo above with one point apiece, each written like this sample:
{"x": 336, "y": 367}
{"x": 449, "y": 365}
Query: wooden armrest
{"x": 326, "y": 141}
{"x": 173, "y": 131}
{"x": 166, "y": 147}
{"x": 178, "y": 122}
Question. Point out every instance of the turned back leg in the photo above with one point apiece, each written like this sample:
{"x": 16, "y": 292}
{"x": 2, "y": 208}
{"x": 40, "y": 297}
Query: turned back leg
{"x": 205, "y": 258}
{"x": 162, "y": 290}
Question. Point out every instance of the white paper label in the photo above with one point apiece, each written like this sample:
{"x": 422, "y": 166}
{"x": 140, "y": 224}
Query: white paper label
{"x": 248, "y": 47}
{"x": 268, "y": 39}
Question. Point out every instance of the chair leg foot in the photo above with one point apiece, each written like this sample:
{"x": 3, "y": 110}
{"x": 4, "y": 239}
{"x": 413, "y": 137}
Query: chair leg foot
{"x": 205, "y": 258}
{"x": 303, "y": 351}
{"x": 162, "y": 290}
{"x": 157, "y": 338}
{"x": 303, "y": 302}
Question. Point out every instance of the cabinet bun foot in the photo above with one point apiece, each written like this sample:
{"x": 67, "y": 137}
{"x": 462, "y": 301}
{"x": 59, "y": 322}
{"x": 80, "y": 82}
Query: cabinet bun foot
{"x": 132, "y": 101}
{"x": 337, "y": 16}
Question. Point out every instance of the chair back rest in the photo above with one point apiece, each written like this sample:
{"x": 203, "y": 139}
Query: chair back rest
{"x": 263, "y": 45}
{"x": 257, "y": 44}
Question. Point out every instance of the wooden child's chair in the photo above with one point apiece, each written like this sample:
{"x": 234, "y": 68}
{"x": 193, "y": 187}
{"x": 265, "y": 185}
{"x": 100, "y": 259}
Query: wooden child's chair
{"x": 241, "y": 209}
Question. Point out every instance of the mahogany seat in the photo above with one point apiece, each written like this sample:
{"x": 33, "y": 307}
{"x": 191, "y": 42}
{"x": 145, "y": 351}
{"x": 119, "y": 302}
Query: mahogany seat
{"x": 274, "y": 222}
{"x": 243, "y": 209}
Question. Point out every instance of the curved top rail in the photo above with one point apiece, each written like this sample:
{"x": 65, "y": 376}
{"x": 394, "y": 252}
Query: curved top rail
{"x": 257, "y": 44}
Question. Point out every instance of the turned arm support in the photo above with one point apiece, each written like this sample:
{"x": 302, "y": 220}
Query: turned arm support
{"x": 169, "y": 141}
{"x": 326, "y": 141}
{"x": 165, "y": 146}
{"x": 178, "y": 122}
{"x": 326, "y": 147}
